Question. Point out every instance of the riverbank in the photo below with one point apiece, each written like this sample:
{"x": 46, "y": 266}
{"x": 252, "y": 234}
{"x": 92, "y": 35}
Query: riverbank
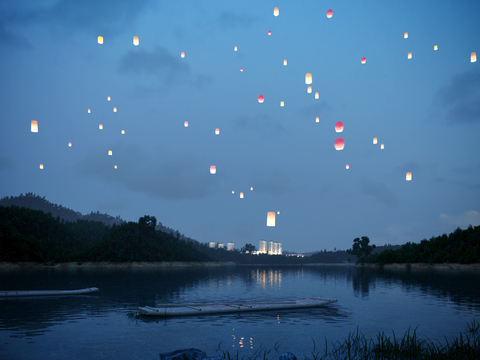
{"x": 446, "y": 266}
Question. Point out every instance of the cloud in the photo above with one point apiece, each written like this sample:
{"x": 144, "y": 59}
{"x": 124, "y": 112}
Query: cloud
{"x": 460, "y": 97}
{"x": 230, "y": 21}
{"x": 471, "y": 217}
{"x": 379, "y": 192}
{"x": 260, "y": 124}
{"x": 171, "y": 176}
{"x": 168, "y": 70}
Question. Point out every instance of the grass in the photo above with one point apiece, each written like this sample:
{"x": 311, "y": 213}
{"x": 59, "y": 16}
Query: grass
{"x": 357, "y": 346}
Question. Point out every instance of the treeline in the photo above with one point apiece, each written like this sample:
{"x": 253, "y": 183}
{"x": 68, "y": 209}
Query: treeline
{"x": 32, "y": 235}
{"x": 461, "y": 246}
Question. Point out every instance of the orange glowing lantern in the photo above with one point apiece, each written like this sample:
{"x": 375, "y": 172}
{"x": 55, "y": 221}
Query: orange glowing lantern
{"x": 374, "y": 140}
{"x": 110, "y": 153}
{"x": 251, "y": 187}
{"x": 269, "y": 32}
{"x": 409, "y": 55}
{"x": 136, "y": 41}
{"x": 405, "y": 35}
{"x": 317, "y": 119}
{"x": 408, "y": 176}
{"x": 88, "y": 111}
{"x": 382, "y": 146}
{"x": 108, "y": 98}
{"x": 100, "y": 126}
{"x": 329, "y": 13}
{"x": 235, "y": 48}
{"x": 185, "y": 124}
{"x": 285, "y": 62}
{"x": 339, "y": 144}
{"x": 241, "y": 69}
{"x": 217, "y": 131}
{"x": 308, "y": 78}
{"x": 100, "y": 40}
{"x": 364, "y": 60}
{"x": 473, "y": 57}
{"x": 282, "y": 103}
{"x": 347, "y": 166}
{"x": 435, "y": 47}
{"x": 271, "y": 218}
{"x": 278, "y": 212}
{"x": 309, "y": 89}
{"x": 213, "y": 169}
{"x": 182, "y": 55}
{"x": 69, "y": 144}
{"x": 241, "y": 195}
{"x": 261, "y": 99}
{"x": 317, "y": 96}
{"x": 339, "y": 126}
{"x": 276, "y": 11}
{"x": 34, "y": 126}
{"x": 114, "y": 109}
{"x": 41, "y": 166}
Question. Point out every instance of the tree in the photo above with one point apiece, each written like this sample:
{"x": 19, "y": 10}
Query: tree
{"x": 248, "y": 248}
{"x": 361, "y": 248}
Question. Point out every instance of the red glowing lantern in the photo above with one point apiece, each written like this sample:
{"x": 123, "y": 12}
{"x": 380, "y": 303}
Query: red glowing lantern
{"x": 261, "y": 99}
{"x": 182, "y": 55}
{"x": 217, "y": 131}
{"x": 339, "y": 126}
{"x": 269, "y": 32}
{"x": 185, "y": 124}
{"x": 241, "y": 69}
{"x": 364, "y": 60}
{"x": 69, "y": 144}
{"x": 339, "y": 144}
{"x": 329, "y": 13}
{"x": 213, "y": 169}
{"x": 347, "y": 166}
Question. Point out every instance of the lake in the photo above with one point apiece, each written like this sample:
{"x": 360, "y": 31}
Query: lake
{"x": 101, "y": 326}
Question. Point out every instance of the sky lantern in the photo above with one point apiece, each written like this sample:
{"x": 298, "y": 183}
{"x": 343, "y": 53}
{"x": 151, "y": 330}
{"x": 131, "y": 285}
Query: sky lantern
{"x": 308, "y": 78}
{"x": 88, "y": 111}
{"x": 276, "y": 11}
{"x": 185, "y": 124}
{"x": 235, "y": 48}
{"x": 213, "y": 169}
{"x": 108, "y": 98}
{"x": 241, "y": 195}
{"x": 136, "y": 42}
{"x": 278, "y": 212}
{"x": 100, "y": 126}
{"x": 309, "y": 89}
{"x": 435, "y": 47}
{"x": 317, "y": 96}
{"x": 409, "y": 55}
{"x": 271, "y": 218}
{"x": 69, "y": 144}
{"x": 282, "y": 103}
{"x": 217, "y": 131}
{"x": 382, "y": 146}
{"x": 364, "y": 60}
{"x": 110, "y": 153}
{"x": 261, "y": 99}
{"x": 374, "y": 140}
{"x": 408, "y": 176}
{"x": 233, "y": 191}
{"x": 347, "y": 166}
{"x": 339, "y": 144}
{"x": 114, "y": 109}
{"x": 123, "y": 132}
{"x": 41, "y": 166}
{"x": 114, "y": 166}
{"x": 182, "y": 55}
{"x": 34, "y": 126}
{"x": 329, "y": 13}
{"x": 100, "y": 40}
{"x": 473, "y": 57}
{"x": 285, "y": 62}
{"x": 241, "y": 69}
{"x": 251, "y": 187}
{"x": 317, "y": 119}
{"x": 405, "y": 35}
{"x": 269, "y": 32}
{"x": 339, "y": 126}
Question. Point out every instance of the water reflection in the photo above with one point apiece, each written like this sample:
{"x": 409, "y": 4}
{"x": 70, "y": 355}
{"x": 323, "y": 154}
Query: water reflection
{"x": 270, "y": 277}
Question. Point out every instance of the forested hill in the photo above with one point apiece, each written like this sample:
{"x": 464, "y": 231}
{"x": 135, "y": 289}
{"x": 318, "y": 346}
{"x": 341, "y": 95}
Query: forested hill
{"x": 35, "y": 202}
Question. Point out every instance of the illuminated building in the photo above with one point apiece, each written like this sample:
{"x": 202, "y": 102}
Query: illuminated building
{"x": 230, "y": 246}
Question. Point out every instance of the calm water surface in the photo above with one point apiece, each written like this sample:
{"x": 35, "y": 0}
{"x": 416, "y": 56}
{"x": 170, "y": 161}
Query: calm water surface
{"x": 98, "y": 326}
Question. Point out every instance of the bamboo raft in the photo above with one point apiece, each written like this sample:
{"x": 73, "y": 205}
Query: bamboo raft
{"x": 13, "y": 293}
{"x": 168, "y": 310}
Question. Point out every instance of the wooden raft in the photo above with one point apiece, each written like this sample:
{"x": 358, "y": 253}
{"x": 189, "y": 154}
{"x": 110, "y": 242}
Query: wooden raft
{"x": 168, "y": 310}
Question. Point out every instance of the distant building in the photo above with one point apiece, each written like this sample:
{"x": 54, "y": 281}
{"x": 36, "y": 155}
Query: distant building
{"x": 274, "y": 248}
{"x": 220, "y": 245}
{"x": 230, "y": 246}
{"x": 262, "y": 247}
{"x": 211, "y": 244}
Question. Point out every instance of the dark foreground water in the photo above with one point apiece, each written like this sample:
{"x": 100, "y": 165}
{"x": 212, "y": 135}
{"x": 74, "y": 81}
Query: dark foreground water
{"x": 98, "y": 326}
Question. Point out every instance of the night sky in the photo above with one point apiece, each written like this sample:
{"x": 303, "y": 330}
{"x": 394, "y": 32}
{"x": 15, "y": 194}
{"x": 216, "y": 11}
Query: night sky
{"x": 425, "y": 110}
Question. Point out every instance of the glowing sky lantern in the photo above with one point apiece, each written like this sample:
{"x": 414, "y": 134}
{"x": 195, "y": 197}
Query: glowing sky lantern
{"x": 269, "y": 32}
{"x": 34, "y": 126}
{"x": 185, "y": 124}
{"x": 409, "y": 55}
{"x": 100, "y": 126}
{"x": 108, "y": 98}
{"x": 278, "y": 212}
{"x": 339, "y": 144}
{"x": 435, "y": 47}
{"x": 339, "y": 126}
{"x": 309, "y": 89}
{"x": 317, "y": 119}
{"x": 69, "y": 144}
{"x": 241, "y": 69}
{"x": 110, "y": 153}
{"x": 276, "y": 11}
{"x": 364, "y": 60}
{"x": 136, "y": 41}
{"x": 213, "y": 169}
{"x": 88, "y": 111}
{"x": 241, "y": 195}
{"x": 235, "y": 48}
{"x": 374, "y": 140}
{"x": 271, "y": 218}
{"x": 408, "y": 176}
{"x": 217, "y": 131}
{"x": 282, "y": 103}
{"x": 261, "y": 99}
{"x": 182, "y": 55}
{"x": 329, "y": 13}
{"x": 114, "y": 109}
{"x": 100, "y": 40}
{"x": 123, "y": 132}
{"x": 285, "y": 62}
{"x": 317, "y": 95}
{"x": 405, "y": 35}
{"x": 308, "y": 78}
{"x": 347, "y": 166}
{"x": 473, "y": 57}
{"x": 382, "y": 146}
{"x": 114, "y": 166}
{"x": 251, "y": 187}
{"x": 233, "y": 191}
{"x": 41, "y": 166}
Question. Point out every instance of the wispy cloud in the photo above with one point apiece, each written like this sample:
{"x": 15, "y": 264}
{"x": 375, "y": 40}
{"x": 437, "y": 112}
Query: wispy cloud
{"x": 379, "y": 192}
{"x": 471, "y": 217}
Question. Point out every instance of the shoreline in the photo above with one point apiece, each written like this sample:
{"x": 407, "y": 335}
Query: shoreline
{"x": 182, "y": 264}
